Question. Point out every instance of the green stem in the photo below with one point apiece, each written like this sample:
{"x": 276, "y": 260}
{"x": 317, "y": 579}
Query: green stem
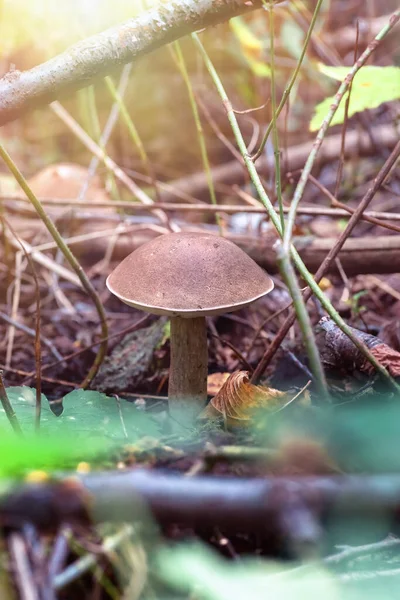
{"x": 302, "y": 269}
{"x": 133, "y": 132}
{"x": 305, "y": 324}
{"x": 87, "y": 286}
{"x": 278, "y": 183}
{"x": 289, "y": 87}
{"x": 8, "y": 409}
{"x": 199, "y": 128}
{"x": 94, "y": 129}
{"x": 344, "y": 86}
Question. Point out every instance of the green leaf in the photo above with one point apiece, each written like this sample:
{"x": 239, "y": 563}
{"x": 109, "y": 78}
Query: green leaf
{"x": 86, "y": 415}
{"x": 194, "y": 568}
{"x": 90, "y": 413}
{"x": 251, "y": 46}
{"x": 371, "y": 87}
{"x": 36, "y": 452}
{"x": 89, "y": 426}
{"x": 23, "y": 401}
{"x": 244, "y": 34}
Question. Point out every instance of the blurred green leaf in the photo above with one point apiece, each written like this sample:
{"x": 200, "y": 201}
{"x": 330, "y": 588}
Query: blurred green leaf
{"x": 90, "y": 413}
{"x": 371, "y": 87}
{"x": 251, "y": 46}
{"x": 292, "y": 37}
{"x": 23, "y": 400}
{"x": 194, "y": 568}
{"x": 86, "y": 415}
{"x": 46, "y": 453}
{"x": 245, "y": 36}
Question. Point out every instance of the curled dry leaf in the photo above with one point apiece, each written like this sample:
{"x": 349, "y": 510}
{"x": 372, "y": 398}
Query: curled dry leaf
{"x": 215, "y": 381}
{"x": 238, "y": 399}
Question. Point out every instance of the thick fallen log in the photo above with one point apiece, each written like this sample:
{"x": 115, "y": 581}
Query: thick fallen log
{"x": 372, "y": 255}
{"x": 91, "y": 241}
{"x": 233, "y": 172}
{"x": 358, "y": 256}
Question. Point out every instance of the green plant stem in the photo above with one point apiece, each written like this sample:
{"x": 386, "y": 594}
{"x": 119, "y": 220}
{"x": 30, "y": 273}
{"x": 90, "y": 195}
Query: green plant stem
{"x": 289, "y": 87}
{"x": 180, "y": 60}
{"x": 283, "y": 258}
{"x": 276, "y": 221}
{"x": 133, "y": 132}
{"x": 344, "y": 86}
{"x": 87, "y": 286}
{"x": 305, "y": 324}
{"x": 8, "y": 409}
{"x": 278, "y": 183}
{"x": 94, "y": 129}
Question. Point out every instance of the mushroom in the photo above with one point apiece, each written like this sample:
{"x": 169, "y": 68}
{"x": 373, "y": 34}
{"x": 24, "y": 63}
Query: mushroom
{"x": 188, "y": 276}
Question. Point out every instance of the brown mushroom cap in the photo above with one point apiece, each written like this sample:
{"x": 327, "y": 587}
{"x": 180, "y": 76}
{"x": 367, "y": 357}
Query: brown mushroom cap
{"x": 189, "y": 275}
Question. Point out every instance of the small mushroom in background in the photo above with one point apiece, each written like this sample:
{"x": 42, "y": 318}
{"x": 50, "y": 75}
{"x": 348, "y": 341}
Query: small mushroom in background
{"x": 188, "y": 276}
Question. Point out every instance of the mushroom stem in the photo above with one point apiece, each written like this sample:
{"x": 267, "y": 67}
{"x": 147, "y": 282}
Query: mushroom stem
{"x": 187, "y": 389}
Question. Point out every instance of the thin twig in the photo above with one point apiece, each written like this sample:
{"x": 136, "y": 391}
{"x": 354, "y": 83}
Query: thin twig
{"x": 276, "y": 221}
{"x": 88, "y": 287}
{"x": 87, "y": 562}
{"x": 134, "y": 134}
{"x": 8, "y": 409}
{"x": 180, "y": 61}
{"x": 93, "y": 58}
{"x": 31, "y": 332}
{"x": 37, "y": 345}
{"x": 289, "y": 87}
{"x": 25, "y": 579}
{"x": 108, "y": 129}
{"x": 48, "y": 379}
{"x": 304, "y": 320}
{"x": 256, "y": 207}
{"x": 332, "y": 254}
{"x": 235, "y": 350}
{"x": 327, "y": 121}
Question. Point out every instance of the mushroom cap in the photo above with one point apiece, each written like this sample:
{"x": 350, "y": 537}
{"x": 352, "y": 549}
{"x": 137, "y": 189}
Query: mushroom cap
{"x": 189, "y": 275}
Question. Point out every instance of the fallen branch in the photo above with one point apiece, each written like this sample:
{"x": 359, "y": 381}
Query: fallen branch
{"x": 97, "y": 56}
{"x": 358, "y": 256}
{"x": 11, "y": 202}
{"x": 368, "y": 255}
{"x": 291, "y": 507}
{"x": 357, "y": 143}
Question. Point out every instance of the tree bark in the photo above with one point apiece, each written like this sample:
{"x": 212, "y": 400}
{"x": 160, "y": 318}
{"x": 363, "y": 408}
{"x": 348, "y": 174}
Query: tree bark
{"x": 187, "y": 389}
{"x": 370, "y": 255}
{"x": 93, "y": 58}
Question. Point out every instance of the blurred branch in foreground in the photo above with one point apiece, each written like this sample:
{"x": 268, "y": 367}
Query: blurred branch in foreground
{"x": 291, "y": 507}
{"x": 98, "y": 55}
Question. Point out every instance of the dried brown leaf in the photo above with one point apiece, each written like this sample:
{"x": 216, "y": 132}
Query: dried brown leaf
{"x": 238, "y": 399}
{"x": 215, "y": 381}
{"x": 388, "y": 357}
